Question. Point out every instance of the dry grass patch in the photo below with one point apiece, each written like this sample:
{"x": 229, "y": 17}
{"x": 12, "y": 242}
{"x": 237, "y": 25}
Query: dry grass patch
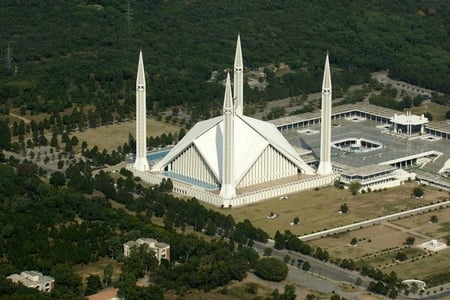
{"x": 437, "y": 111}
{"x": 111, "y": 136}
{"x": 371, "y": 240}
{"x": 97, "y": 268}
{"x": 422, "y": 223}
{"x": 424, "y": 267}
{"x": 318, "y": 209}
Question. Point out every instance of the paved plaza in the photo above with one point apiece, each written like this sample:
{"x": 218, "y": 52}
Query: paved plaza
{"x": 393, "y": 146}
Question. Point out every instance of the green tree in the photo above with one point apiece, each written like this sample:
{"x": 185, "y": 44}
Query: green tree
{"x": 429, "y": 116}
{"x": 344, "y": 208}
{"x": 410, "y": 240}
{"x": 57, "y": 179}
{"x": 66, "y": 282}
{"x": 272, "y": 269}
{"x": 289, "y": 292}
{"x": 354, "y": 187}
{"x": 107, "y": 274}
{"x": 434, "y": 219}
{"x": 401, "y": 256}
{"x": 418, "y": 192}
{"x": 93, "y": 284}
{"x": 306, "y": 266}
{"x": 267, "y": 252}
{"x": 5, "y": 135}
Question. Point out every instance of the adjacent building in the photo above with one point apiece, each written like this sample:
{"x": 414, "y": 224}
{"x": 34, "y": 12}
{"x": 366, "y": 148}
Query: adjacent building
{"x": 161, "y": 250}
{"x": 35, "y": 280}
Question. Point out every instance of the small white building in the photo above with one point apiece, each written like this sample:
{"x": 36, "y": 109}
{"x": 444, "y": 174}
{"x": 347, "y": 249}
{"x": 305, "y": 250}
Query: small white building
{"x": 409, "y": 124}
{"x": 161, "y": 250}
{"x": 374, "y": 177}
{"x": 34, "y": 279}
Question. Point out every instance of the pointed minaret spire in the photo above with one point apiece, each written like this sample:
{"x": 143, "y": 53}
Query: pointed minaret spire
{"x": 227, "y": 190}
{"x": 327, "y": 75}
{"x": 325, "y": 167}
{"x": 239, "y": 79}
{"x": 141, "y": 162}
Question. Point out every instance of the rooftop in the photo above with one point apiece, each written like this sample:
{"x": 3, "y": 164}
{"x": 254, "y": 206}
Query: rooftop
{"x": 394, "y": 146}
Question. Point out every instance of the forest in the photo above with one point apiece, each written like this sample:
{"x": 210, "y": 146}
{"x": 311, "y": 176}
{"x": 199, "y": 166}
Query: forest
{"x": 70, "y": 228}
{"x": 74, "y": 61}
{"x": 83, "y": 53}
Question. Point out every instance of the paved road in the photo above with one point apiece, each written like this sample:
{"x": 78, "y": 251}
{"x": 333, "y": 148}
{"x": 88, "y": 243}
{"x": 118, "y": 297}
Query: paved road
{"x": 323, "y": 277}
{"x": 326, "y": 277}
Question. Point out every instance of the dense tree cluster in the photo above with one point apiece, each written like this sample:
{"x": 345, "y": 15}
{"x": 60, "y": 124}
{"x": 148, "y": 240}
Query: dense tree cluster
{"x": 51, "y": 68}
{"x": 71, "y": 228}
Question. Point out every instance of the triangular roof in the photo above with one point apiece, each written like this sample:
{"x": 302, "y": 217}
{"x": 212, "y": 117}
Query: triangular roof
{"x": 251, "y": 137}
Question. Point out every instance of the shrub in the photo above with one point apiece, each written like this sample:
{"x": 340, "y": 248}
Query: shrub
{"x": 271, "y": 269}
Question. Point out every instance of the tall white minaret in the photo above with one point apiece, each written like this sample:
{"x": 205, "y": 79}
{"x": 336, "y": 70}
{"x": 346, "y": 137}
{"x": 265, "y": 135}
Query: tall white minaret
{"x": 141, "y": 162}
{"x": 325, "y": 134}
{"x": 238, "y": 91}
{"x": 227, "y": 191}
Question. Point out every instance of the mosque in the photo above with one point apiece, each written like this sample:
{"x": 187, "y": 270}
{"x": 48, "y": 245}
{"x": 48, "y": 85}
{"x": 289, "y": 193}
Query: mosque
{"x": 234, "y": 160}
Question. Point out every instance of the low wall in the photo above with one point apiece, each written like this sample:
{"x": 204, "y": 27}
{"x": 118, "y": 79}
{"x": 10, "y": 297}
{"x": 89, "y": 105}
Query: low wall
{"x": 244, "y": 199}
{"x": 371, "y": 222}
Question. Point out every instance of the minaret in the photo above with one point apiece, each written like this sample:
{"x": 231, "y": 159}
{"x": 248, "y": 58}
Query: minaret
{"x": 238, "y": 91}
{"x": 141, "y": 162}
{"x": 227, "y": 191}
{"x": 325, "y": 134}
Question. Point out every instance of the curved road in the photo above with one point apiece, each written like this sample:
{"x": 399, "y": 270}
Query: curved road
{"x": 326, "y": 277}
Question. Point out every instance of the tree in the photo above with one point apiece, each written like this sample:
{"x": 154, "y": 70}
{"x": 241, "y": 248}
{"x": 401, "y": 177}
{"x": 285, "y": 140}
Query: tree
{"x": 354, "y": 241}
{"x": 5, "y": 135}
{"x": 65, "y": 280}
{"x": 401, "y": 256}
{"x": 57, "y": 179}
{"x": 296, "y": 220}
{"x": 107, "y": 274}
{"x": 344, "y": 208}
{"x": 418, "y": 192}
{"x": 434, "y": 219}
{"x": 410, "y": 240}
{"x": 306, "y": 266}
{"x": 289, "y": 292}
{"x": 447, "y": 115}
{"x": 272, "y": 269}
{"x": 267, "y": 252}
{"x": 93, "y": 284}
{"x": 354, "y": 187}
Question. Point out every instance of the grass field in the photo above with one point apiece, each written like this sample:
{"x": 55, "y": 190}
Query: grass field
{"x": 378, "y": 244}
{"x": 319, "y": 209}
{"x": 436, "y": 110}
{"x": 111, "y": 136}
{"x": 97, "y": 268}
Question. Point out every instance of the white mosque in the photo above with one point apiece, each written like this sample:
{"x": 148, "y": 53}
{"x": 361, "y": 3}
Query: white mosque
{"x": 233, "y": 159}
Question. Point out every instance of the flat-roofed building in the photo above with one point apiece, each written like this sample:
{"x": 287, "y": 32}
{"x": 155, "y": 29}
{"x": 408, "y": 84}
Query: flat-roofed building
{"x": 161, "y": 250}
{"x": 34, "y": 279}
